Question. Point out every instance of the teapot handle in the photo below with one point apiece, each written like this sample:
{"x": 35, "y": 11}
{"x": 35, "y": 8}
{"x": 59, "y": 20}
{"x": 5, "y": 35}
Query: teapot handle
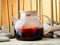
{"x": 49, "y": 29}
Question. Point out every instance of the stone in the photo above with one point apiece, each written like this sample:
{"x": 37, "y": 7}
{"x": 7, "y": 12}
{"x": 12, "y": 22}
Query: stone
{"x": 4, "y": 39}
{"x": 6, "y": 35}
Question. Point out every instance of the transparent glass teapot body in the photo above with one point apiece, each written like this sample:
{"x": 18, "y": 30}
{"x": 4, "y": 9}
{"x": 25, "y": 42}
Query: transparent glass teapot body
{"x": 28, "y": 27}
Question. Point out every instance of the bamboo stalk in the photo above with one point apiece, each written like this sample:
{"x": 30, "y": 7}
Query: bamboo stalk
{"x": 52, "y": 11}
{"x": 42, "y": 11}
{"x": 0, "y": 14}
{"x": 12, "y": 7}
{"x": 12, "y": 10}
{"x": 23, "y": 5}
{"x": 38, "y": 8}
{"x": 59, "y": 11}
{"x": 31, "y": 4}
{"x": 8, "y": 16}
{"x": 40, "y": 2}
{"x": 51, "y": 15}
{"x": 56, "y": 10}
{"x": 37, "y": 5}
{"x": 18, "y": 8}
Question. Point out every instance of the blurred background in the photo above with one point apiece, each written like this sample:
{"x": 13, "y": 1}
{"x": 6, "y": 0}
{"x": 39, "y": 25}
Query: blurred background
{"x": 9, "y": 8}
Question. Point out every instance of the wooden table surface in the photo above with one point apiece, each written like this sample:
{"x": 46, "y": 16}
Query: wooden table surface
{"x": 44, "y": 41}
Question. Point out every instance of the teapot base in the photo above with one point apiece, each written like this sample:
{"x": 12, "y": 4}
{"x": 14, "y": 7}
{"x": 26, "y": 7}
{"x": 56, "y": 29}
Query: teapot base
{"x": 29, "y": 40}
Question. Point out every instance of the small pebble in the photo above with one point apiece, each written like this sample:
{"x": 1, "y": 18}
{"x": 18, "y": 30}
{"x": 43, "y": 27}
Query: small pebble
{"x": 4, "y": 39}
{"x": 55, "y": 36}
{"x": 6, "y": 35}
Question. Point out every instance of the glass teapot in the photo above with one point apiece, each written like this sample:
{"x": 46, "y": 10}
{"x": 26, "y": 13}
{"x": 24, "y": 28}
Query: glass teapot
{"x": 29, "y": 27}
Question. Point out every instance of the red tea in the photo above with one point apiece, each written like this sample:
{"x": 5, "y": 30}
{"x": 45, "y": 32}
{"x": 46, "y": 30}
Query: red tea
{"x": 29, "y": 34}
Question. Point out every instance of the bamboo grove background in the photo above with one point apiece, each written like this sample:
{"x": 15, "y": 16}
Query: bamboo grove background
{"x": 9, "y": 8}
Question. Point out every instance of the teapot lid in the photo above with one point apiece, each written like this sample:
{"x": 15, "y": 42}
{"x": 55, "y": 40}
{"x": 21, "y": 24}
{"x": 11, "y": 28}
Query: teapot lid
{"x": 33, "y": 11}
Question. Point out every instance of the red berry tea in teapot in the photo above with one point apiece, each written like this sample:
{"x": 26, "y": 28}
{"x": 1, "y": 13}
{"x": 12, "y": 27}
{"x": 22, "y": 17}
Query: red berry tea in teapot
{"x": 29, "y": 33}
